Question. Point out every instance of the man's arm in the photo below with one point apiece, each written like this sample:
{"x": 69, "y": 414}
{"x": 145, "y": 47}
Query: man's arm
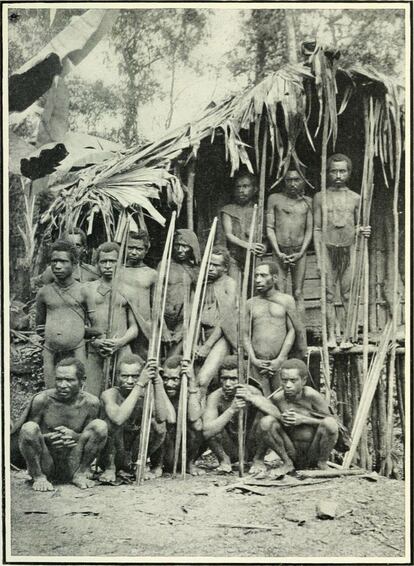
{"x": 204, "y": 350}
{"x": 130, "y": 334}
{"x": 246, "y": 338}
{"x": 194, "y": 408}
{"x": 89, "y": 303}
{"x": 309, "y": 228}
{"x": 228, "y": 232}
{"x": 317, "y": 226}
{"x": 119, "y": 414}
{"x": 255, "y": 397}
{"x": 40, "y": 310}
{"x": 161, "y": 411}
{"x": 212, "y": 422}
{"x": 270, "y": 225}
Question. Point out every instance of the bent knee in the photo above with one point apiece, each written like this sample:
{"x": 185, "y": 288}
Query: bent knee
{"x": 29, "y": 430}
{"x": 268, "y": 423}
{"x": 98, "y": 427}
{"x": 330, "y": 425}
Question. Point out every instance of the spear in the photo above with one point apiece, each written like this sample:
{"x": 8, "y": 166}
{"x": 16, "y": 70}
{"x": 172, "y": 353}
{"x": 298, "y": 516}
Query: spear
{"x": 154, "y": 347}
{"x": 191, "y": 339}
{"x": 121, "y": 236}
{"x": 240, "y": 349}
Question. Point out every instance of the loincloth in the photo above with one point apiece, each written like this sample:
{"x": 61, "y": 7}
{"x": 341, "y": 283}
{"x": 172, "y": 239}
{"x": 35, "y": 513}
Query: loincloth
{"x": 340, "y": 257}
{"x": 289, "y": 250}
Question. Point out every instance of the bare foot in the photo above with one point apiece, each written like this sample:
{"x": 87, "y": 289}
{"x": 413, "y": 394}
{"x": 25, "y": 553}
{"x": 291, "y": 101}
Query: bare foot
{"x": 41, "y": 484}
{"x": 82, "y": 481}
{"x": 282, "y": 470}
{"x": 157, "y": 471}
{"x": 108, "y": 476}
{"x": 322, "y": 465}
{"x": 258, "y": 467}
{"x": 195, "y": 470}
{"x": 224, "y": 468}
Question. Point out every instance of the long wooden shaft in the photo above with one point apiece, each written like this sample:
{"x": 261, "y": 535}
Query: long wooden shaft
{"x": 197, "y": 303}
{"x": 241, "y": 333}
{"x": 184, "y": 387}
{"x": 395, "y": 299}
{"x": 367, "y": 396}
{"x": 323, "y": 252}
{"x": 154, "y": 347}
{"x": 190, "y": 194}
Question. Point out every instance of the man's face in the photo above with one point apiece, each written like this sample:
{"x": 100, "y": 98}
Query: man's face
{"x": 127, "y": 377}
{"x": 292, "y": 383}
{"x": 229, "y": 380}
{"x": 76, "y": 240}
{"x": 338, "y": 174}
{"x": 172, "y": 380}
{"x": 181, "y": 251}
{"x": 67, "y": 383}
{"x": 61, "y": 265}
{"x": 107, "y": 263}
{"x": 137, "y": 250}
{"x": 244, "y": 190}
{"x": 216, "y": 268}
{"x": 263, "y": 279}
{"x": 294, "y": 183}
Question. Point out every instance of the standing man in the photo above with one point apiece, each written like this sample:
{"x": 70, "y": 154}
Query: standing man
{"x": 182, "y": 280}
{"x": 62, "y": 309}
{"x": 218, "y": 318}
{"x": 341, "y": 229}
{"x": 236, "y": 219}
{"x": 122, "y": 408}
{"x": 272, "y": 333}
{"x": 304, "y": 432}
{"x": 220, "y": 419}
{"x": 59, "y": 433}
{"x": 138, "y": 282}
{"x": 289, "y": 230}
{"x": 124, "y": 328}
{"x": 83, "y": 272}
{"x": 172, "y": 373}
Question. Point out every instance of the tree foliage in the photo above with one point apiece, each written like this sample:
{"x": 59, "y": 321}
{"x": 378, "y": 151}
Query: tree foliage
{"x": 143, "y": 39}
{"x": 374, "y": 37}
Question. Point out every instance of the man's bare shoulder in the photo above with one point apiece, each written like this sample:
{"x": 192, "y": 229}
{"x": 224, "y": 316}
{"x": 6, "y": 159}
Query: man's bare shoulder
{"x": 89, "y": 399}
{"x": 41, "y": 400}
{"x": 308, "y": 200}
{"x": 311, "y": 393}
{"x": 278, "y": 396}
{"x": 286, "y": 300}
{"x": 274, "y": 199}
{"x": 215, "y": 397}
{"x": 110, "y": 395}
{"x": 317, "y": 198}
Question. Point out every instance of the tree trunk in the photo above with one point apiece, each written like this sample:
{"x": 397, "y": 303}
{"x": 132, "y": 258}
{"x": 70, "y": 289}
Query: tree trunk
{"x": 292, "y": 54}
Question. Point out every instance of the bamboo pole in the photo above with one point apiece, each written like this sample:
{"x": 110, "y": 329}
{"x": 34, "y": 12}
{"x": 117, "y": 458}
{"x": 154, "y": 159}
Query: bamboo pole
{"x": 190, "y": 194}
{"x": 325, "y": 356}
{"x": 242, "y": 329}
{"x": 388, "y": 465}
{"x": 367, "y": 395}
{"x": 154, "y": 347}
{"x": 190, "y": 342}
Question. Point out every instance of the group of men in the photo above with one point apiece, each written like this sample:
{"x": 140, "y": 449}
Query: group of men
{"x": 96, "y": 324}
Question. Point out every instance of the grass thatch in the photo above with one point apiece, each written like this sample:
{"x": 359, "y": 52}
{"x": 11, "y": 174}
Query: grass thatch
{"x": 143, "y": 172}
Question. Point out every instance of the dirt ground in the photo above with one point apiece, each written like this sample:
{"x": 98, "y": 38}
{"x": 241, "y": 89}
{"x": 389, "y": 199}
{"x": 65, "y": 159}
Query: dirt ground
{"x": 176, "y": 517}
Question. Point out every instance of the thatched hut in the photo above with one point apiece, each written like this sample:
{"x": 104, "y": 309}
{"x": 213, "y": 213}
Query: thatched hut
{"x": 300, "y": 113}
